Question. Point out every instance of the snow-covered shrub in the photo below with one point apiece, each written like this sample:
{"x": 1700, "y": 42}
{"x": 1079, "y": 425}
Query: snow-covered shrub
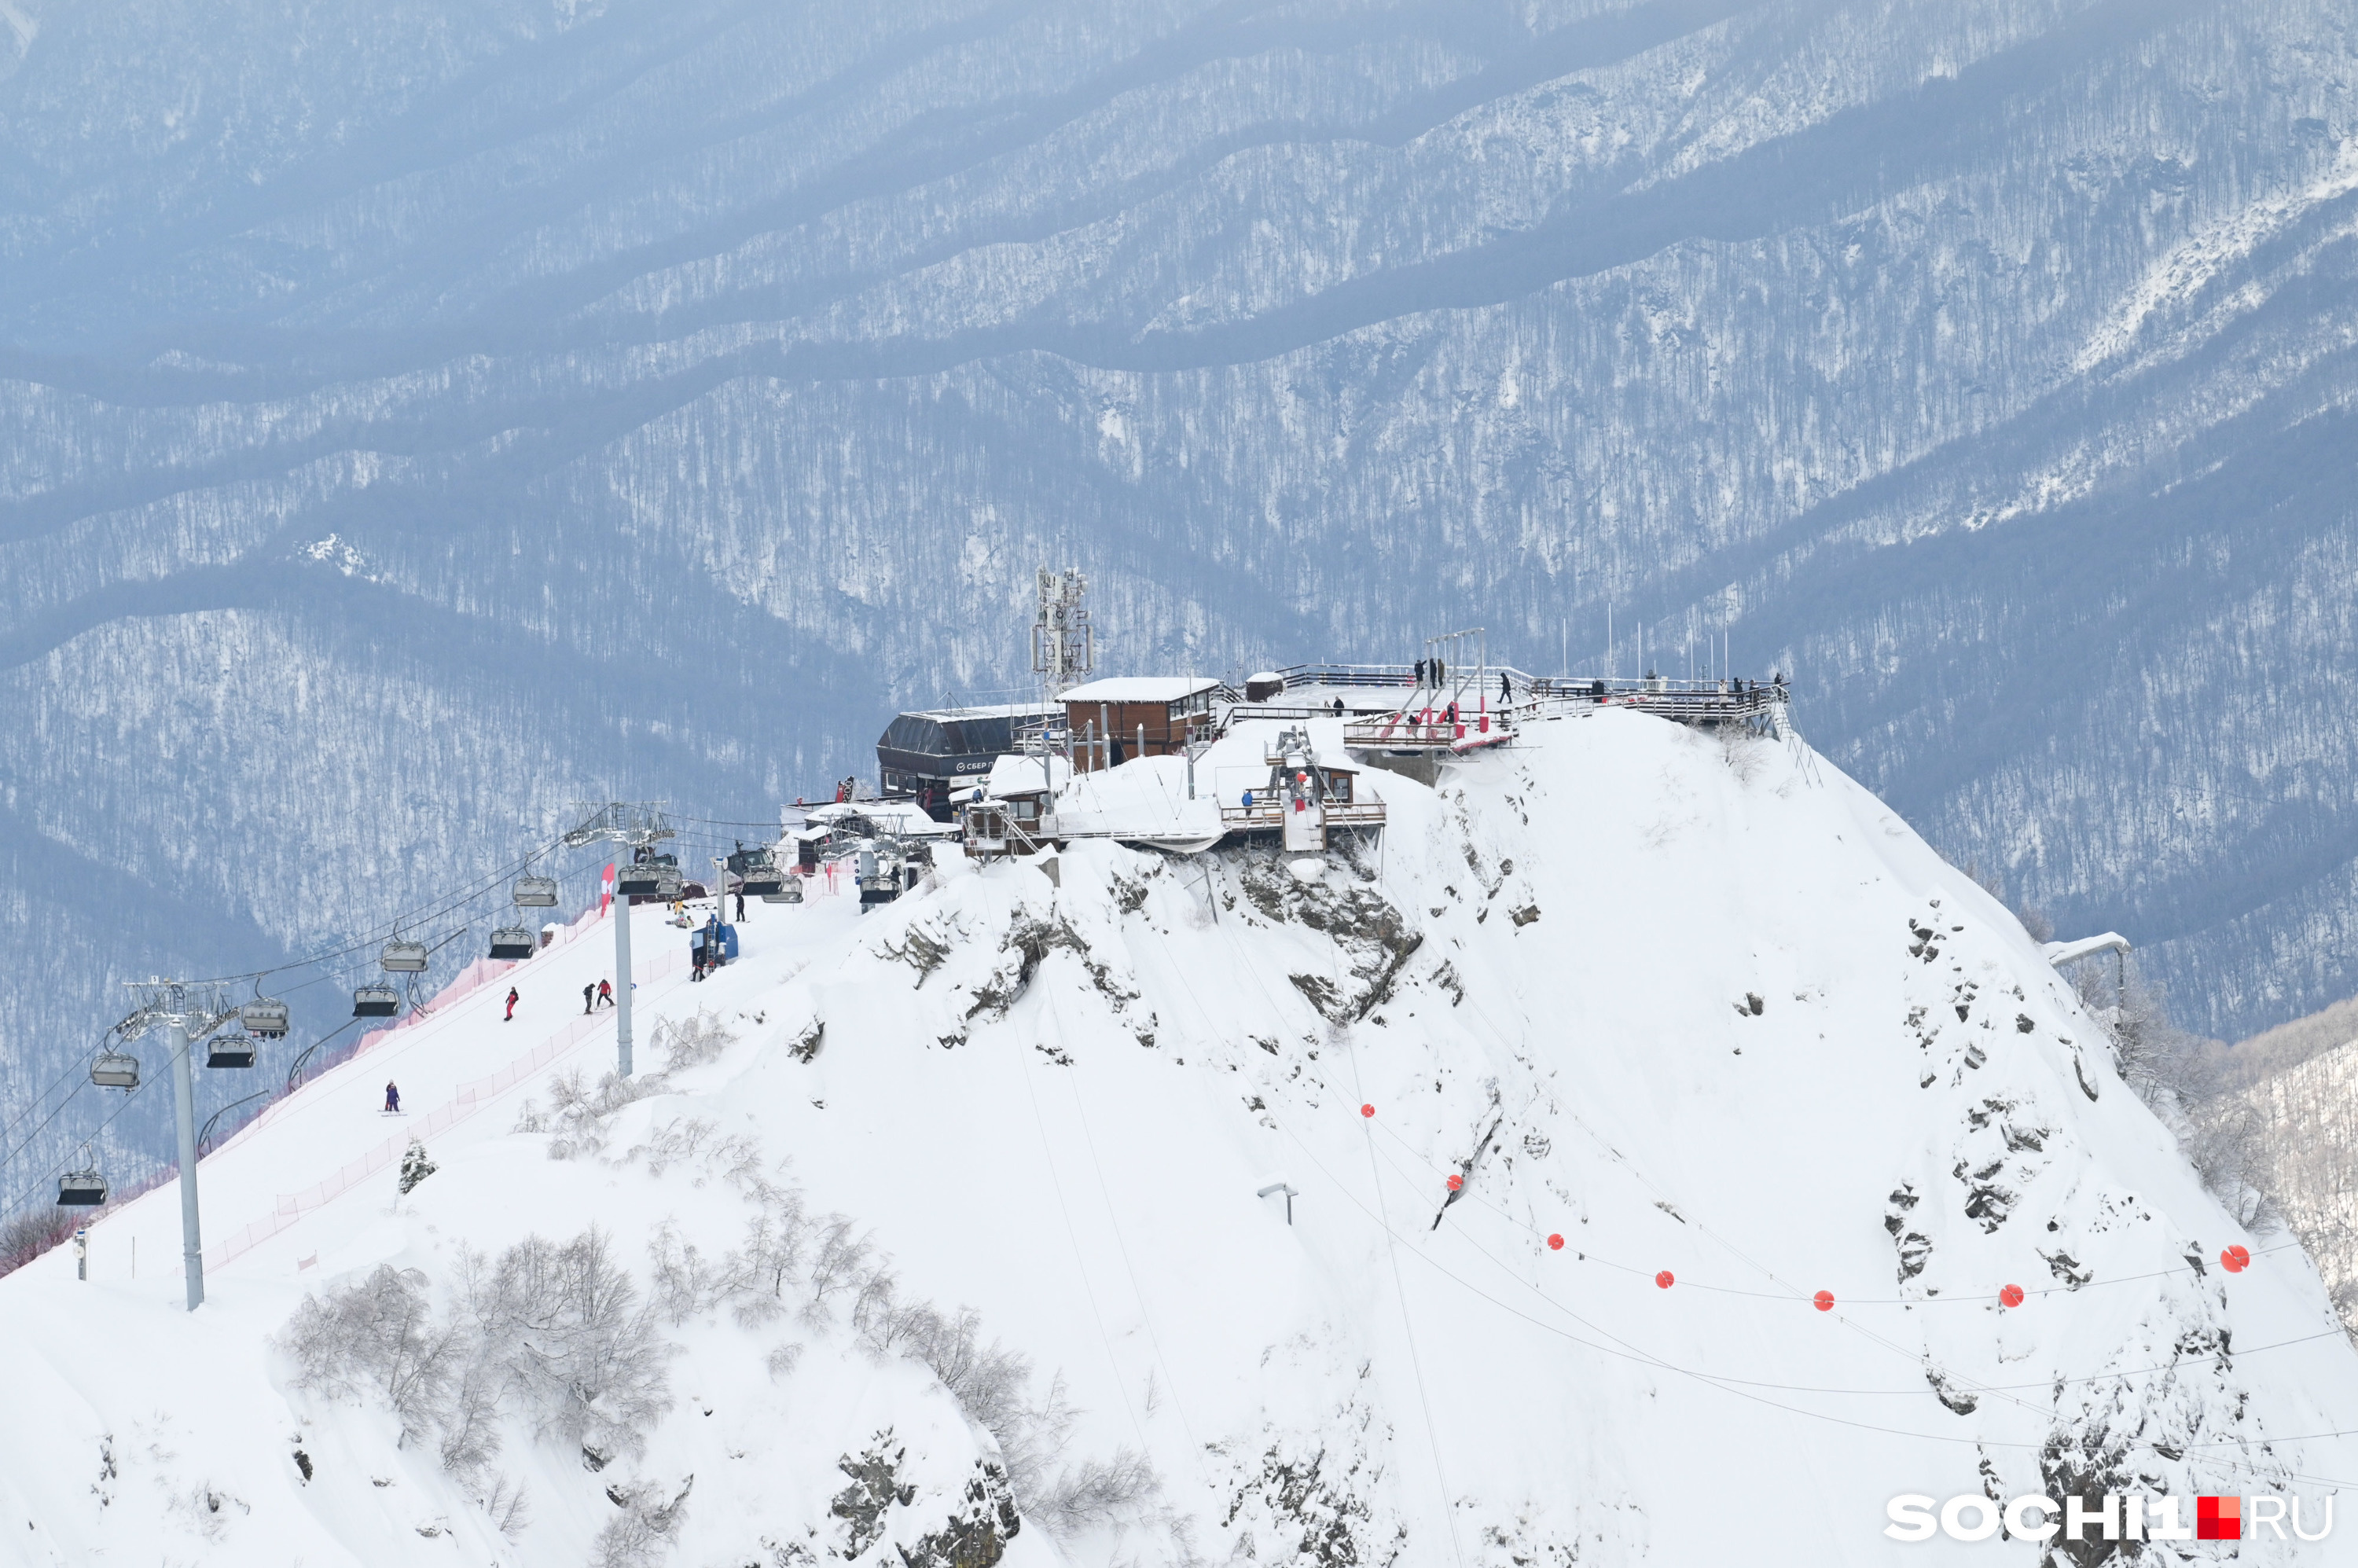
{"x": 567, "y": 1325}
{"x": 555, "y": 1333}
{"x": 2175, "y": 1073}
{"x": 579, "y": 1113}
{"x": 840, "y": 1264}
{"x": 28, "y": 1236}
{"x": 776, "y": 1236}
{"x": 380, "y": 1334}
{"x": 691, "y": 1041}
{"x": 1096, "y": 1493}
{"x": 415, "y": 1167}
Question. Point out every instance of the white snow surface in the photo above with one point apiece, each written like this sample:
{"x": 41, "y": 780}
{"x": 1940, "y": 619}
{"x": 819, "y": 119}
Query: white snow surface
{"x": 1063, "y": 1121}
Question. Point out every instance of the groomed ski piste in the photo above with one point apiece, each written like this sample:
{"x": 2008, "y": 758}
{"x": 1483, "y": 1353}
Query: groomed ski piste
{"x": 1704, "y": 1010}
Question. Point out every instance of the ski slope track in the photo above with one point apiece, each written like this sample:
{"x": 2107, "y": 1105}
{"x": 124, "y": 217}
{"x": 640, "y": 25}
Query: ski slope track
{"x": 1669, "y": 998}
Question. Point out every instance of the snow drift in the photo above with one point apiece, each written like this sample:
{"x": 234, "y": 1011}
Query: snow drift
{"x": 958, "y": 1234}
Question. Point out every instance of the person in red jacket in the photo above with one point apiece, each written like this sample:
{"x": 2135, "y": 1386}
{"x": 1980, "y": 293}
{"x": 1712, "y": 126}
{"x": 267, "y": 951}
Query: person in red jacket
{"x": 512, "y": 1002}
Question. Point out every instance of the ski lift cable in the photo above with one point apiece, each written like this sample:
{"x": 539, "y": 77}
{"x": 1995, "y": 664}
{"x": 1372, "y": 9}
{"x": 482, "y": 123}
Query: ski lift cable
{"x": 1850, "y": 1323}
{"x": 79, "y": 1068}
{"x": 1738, "y": 1386}
{"x": 1408, "y": 1328}
{"x": 16, "y": 1199}
{"x": 1741, "y": 1388}
{"x": 422, "y": 915}
{"x": 1684, "y": 1282}
{"x": 1120, "y": 1236}
{"x": 1072, "y": 1235}
{"x": 1994, "y": 1387}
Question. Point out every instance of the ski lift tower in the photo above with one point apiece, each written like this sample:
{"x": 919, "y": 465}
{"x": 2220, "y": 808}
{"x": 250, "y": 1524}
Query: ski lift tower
{"x": 1063, "y": 645}
{"x": 187, "y": 1013}
{"x": 637, "y": 823}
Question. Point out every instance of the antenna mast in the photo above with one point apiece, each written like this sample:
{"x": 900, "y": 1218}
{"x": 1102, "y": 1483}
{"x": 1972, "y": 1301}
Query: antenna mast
{"x": 1064, "y": 644}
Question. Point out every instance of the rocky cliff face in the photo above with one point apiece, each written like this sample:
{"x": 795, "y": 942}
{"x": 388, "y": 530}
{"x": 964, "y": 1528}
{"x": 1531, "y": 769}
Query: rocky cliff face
{"x": 414, "y": 422}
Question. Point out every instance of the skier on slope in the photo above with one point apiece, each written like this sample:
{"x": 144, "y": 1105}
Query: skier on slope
{"x": 392, "y": 1098}
{"x": 512, "y": 1002}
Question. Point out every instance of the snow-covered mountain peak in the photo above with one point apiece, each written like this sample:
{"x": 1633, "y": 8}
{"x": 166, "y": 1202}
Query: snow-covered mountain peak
{"x": 958, "y": 1232}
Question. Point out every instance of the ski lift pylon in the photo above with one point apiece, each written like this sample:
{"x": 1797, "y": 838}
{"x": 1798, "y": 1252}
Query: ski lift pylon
{"x": 535, "y": 892}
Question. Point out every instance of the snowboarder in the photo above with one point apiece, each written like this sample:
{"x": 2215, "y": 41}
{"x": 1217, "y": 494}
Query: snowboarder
{"x": 605, "y": 993}
{"x": 589, "y": 998}
{"x": 512, "y": 1002}
{"x": 392, "y": 1098}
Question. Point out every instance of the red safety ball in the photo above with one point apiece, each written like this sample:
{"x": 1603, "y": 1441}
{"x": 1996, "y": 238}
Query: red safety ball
{"x": 1556, "y": 1242}
{"x": 2011, "y": 1296}
{"x": 1824, "y": 1301}
{"x": 1665, "y": 1279}
{"x": 1457, "y": 1184}
{"x": 2235, "y": 1260}
{"x": 1367, "y": 1110}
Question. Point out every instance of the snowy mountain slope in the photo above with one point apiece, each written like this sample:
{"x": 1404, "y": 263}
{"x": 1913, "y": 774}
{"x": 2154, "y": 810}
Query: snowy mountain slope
{"x": 1692, "y": 1006}
{"x": 687, "y": 386}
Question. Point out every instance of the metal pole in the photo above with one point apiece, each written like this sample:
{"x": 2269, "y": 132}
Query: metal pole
{"x": 622, "y": 983}
{"x": 192, "y": 1254}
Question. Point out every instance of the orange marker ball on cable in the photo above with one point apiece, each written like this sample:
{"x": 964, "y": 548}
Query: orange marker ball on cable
{"x": 1367, "y": 1110}
{"x": 1824, "y": 1301}
{"x": 2235, "y": 1260}
{"x": 1457, "y": 1184}
{"x": 2011, "y": 1296}
{"x": 1556, "y": 1243}
{"x": 1665, "y": 1279}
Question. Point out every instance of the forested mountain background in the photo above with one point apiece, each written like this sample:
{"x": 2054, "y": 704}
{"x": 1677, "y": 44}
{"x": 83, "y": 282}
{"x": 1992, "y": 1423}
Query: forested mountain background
{"x": 417, "y": 416}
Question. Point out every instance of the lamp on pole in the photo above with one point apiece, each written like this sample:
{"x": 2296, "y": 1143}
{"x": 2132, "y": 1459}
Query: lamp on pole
{"x": 637, "y": 824}
{"x": 187, "y": 1013}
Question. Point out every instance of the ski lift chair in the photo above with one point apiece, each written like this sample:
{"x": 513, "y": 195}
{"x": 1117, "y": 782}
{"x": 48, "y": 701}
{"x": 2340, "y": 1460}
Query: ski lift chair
{"x": 115, "y": 1070}
{"x": 646, "y": 879}
{"x": 790, "y": 890}
{"x": 264, "y": 1018}
{"x": 537, "y": 892}
{"x": 230, "y": 1050}
{"x": 375, "y": 1001}
{"x": 82, "y": 1189}
{"x": 404, "y": 957}
{"x": 512, "y": 942}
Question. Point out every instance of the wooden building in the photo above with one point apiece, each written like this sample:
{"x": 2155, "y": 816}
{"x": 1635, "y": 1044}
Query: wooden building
{"x": 1131, "y": 716}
